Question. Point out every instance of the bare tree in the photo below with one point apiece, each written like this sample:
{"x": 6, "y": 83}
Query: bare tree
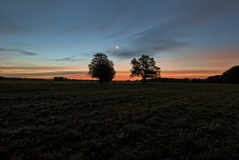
{"x": 145, "y": 67}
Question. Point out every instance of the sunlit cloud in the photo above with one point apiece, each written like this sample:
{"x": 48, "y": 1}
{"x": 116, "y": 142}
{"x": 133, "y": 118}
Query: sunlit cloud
{"x": 38, "y": 71}
{"x": 211, "y": 59}
{"x": 44, "y": 74}
{"x": 35, "y": 68}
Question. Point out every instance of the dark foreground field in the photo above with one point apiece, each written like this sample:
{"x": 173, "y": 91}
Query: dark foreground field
{"x": 54, "y": 120}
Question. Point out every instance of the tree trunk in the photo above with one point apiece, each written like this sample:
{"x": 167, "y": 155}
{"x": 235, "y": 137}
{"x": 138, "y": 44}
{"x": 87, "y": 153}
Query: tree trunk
{"x": 144, "y": 80}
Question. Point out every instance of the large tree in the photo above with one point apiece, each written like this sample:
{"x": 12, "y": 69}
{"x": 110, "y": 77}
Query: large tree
{"x": 145, "y": 67}
{"x": 102, "y": 68}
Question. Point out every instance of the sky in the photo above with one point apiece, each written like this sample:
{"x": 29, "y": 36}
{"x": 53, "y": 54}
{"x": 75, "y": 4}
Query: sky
{"x": 187, "y": 38}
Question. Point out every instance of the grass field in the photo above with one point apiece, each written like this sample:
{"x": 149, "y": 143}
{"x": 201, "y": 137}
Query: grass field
{"x": 121, "y": 121}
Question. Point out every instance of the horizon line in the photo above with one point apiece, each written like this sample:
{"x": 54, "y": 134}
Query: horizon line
{"x": 120, "y": 75}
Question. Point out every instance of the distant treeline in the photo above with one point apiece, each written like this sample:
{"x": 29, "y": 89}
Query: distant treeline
{"x": 60, "y": 79}
{"x": 212, "y": 79}
{"x": 230, "y": 76}
{"x": 177, "y": 80}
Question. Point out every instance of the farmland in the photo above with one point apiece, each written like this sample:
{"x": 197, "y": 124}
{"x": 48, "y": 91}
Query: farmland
{"x": 74, "y": 120}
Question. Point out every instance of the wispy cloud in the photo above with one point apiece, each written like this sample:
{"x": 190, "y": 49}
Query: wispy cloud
{"x": 7, "y": 26}
{"x": 71, "y": 59}
{"x": 23, "y": 52}
{"x": 48, "y": 74}
{"x": 170, "y": 26}
{"x": 35, "y": 68}
{"x": 154, "y": 47}
{"x": 26, "y": 52}
{"x": 205, "y": 12}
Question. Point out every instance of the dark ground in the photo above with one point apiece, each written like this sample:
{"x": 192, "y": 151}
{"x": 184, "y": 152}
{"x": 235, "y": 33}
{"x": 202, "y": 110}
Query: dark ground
{"x": 73, "y": 120}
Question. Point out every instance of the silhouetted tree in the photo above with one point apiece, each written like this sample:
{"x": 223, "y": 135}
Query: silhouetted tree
{"x": 196, "y": 80}
{"x": 101, "y": 68}
{"x": 60, "y": 79}
{"x": 145, "y": 68}
{"x": 231, "y": 75}
{"x": 214, "y": 79}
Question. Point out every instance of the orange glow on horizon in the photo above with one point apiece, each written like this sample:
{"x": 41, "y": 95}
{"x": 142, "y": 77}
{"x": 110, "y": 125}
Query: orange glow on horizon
{"x": 189, "y": 74}
{"x": 125, "y": 75}
{"x": 120, "y": 76}
{"x": 74, "y": 73}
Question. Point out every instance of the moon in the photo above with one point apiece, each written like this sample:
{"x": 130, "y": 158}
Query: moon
{"x": 117, "y": 47}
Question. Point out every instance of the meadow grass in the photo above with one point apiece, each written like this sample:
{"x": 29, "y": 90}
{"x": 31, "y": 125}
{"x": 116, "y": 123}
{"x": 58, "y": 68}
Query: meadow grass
{"x": 121, "y": 121}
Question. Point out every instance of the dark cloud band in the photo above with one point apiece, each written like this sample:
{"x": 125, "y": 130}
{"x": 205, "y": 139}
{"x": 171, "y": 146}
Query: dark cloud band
{"x": 71, "y": 59}
{"x": 23, "y": 52}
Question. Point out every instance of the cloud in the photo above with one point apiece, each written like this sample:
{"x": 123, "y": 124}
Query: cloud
{"x": 141, "y": 46}
{"x": 35, "y": 68}
{"x": 148, "y": 27}
{"x": 170, "y": 27}
{"x": 206, "y": 11}
{"x": 7, "y": 26}
{"x": 26, "y": 52}
{"x": 48, "y": 74}
{"x": 23, "y": 52}
{"x": 71, "y": 59}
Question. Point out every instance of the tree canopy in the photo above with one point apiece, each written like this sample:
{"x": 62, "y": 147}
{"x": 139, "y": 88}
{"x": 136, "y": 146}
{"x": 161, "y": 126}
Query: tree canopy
{"x": 231, "y": 75}
{"x": 102, "y": 68}
{"x": 214, "y": 79}
{"x": 145, "y": 67}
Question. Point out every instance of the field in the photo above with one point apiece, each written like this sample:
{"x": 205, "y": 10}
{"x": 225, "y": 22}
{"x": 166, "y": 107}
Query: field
{"x": 121, "y": 121}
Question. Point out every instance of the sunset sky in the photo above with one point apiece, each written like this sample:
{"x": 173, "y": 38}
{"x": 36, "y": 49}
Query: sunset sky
{"x": 48, "y": 38}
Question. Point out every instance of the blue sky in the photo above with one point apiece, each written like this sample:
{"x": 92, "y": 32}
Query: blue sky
{"x": 43, "y": 38}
